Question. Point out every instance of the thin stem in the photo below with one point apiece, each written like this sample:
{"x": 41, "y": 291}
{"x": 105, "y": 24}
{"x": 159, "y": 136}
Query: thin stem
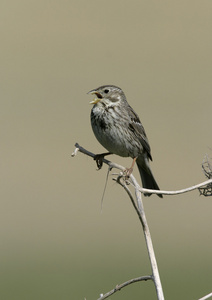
{"x": 122, "y": 285}
{"x": 142, "y": 217}
{"x": 206, "y": 297}
{"x": 141, "y": 214}
{"x": 147, "y": 235}
{"x": 194, "y": 187}
{"x": 142, "y": 190}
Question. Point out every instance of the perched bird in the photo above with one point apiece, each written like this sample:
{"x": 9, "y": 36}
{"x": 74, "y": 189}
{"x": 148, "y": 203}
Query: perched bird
{"x": 118, "y": 128}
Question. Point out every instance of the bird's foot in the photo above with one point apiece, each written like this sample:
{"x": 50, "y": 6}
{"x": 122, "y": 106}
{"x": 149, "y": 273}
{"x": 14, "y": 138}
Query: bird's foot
{"x": 128, "y": 172}
{"x": 126, "y": 175}
{"x": 99, "y": 159}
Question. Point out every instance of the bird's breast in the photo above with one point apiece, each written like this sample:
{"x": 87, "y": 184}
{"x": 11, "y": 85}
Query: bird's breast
{"x": 112, "y": 132}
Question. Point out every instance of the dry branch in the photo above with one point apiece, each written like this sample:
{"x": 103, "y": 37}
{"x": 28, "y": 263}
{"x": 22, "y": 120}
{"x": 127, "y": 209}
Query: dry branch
{"x": 122, "y": 285}
{"x": 112, "y": 165}
{"x": 141, "y": 214}
{"x": 138, "y": 205}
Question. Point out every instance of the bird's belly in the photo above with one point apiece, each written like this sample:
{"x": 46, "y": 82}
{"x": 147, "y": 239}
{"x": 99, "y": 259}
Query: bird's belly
{"x": 117, "y": 141}
{"x": 113, "y": 142}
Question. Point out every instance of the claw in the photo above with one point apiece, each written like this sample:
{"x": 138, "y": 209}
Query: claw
{"x": 99, "y": 159}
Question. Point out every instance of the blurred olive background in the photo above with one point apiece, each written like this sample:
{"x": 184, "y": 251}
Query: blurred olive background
{"x": 55, "y": 242}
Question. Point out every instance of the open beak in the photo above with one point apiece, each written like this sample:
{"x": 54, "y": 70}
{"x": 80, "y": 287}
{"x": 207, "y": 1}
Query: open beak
{"x": 97, "y": 98}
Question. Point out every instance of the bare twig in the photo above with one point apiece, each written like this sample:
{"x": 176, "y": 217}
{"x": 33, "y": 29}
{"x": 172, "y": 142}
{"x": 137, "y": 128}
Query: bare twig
{"x": 107, "y": 162}
{"x": 123, "y": 184}
{"x": 74, "y": 153}
{"x": 143, "y": 190}
{"x": 207, "y": 170}
{"x": 142, "y": 217}
{"x": 140, "y": 211}
{"x": 194, "y": 187}
{"x": 207, "y": 167}
{"x": 206, "y": 297}
{"x": 120, "y": 286}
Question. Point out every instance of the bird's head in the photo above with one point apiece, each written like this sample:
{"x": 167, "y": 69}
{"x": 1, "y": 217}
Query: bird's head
{"x": 109, "y": 94}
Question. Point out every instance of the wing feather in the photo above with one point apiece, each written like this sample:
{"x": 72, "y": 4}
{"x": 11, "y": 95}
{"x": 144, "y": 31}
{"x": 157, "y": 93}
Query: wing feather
{"x": 137, "y": 128}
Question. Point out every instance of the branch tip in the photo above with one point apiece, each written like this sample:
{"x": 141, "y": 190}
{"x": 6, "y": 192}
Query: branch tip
{"x": 75, "y": 151}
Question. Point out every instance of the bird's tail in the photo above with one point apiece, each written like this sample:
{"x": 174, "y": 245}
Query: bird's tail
{"x": 148, "y": 180}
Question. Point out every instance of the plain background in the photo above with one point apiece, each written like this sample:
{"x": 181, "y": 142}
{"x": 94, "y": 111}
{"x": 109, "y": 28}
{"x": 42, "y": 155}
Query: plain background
{"x": 55, "y": 242}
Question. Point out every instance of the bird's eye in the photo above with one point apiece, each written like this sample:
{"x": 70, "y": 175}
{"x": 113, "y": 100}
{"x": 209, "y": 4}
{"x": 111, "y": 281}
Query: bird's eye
{"x": 106, "y": 91}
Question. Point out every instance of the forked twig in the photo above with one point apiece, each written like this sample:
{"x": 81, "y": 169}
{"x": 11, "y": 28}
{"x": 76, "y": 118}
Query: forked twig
{"x": 141, "y": 189}
{"x": 138, "y": 205}
{"x": 140, "y": 211}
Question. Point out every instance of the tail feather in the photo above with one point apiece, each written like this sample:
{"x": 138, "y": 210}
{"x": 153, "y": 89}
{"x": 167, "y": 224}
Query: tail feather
{"x": 148, "y": 180}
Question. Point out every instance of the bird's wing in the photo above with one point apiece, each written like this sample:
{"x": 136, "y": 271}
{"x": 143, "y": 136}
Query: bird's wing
{"x": 137, "y": 128}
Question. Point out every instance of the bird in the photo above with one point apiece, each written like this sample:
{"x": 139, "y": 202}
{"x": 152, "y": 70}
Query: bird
{"x": 118, "y": 128}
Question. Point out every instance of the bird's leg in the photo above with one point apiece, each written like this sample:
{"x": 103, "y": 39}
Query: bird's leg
{"x": 128, "y": 171}
{"x": 99, "y": 159}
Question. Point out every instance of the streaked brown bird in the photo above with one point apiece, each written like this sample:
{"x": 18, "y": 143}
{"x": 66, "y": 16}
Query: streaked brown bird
{"x": 117, "y": 127}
